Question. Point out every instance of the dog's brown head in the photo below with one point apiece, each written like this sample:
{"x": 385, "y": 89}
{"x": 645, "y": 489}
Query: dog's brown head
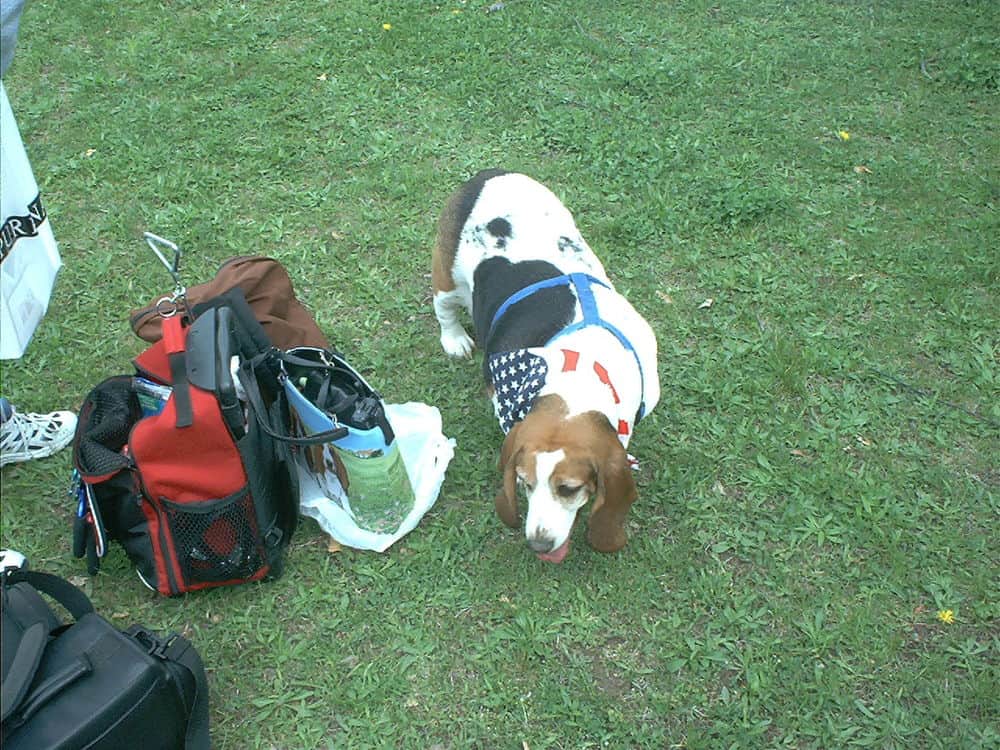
{"x": 562, "y": 462}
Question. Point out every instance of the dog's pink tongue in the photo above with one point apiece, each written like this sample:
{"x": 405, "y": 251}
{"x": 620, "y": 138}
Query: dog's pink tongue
{"x": 557, "y": 555}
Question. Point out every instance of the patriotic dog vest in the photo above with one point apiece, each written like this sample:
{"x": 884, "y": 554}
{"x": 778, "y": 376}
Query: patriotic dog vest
{"x": 518, "y": 376}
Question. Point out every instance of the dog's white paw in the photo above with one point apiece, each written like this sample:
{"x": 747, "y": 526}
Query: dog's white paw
{"x": 457, "y": 343}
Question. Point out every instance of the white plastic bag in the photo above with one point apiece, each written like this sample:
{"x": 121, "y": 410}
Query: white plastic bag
{"x": 426, "y": 452}
{"x": 29, "y": 258}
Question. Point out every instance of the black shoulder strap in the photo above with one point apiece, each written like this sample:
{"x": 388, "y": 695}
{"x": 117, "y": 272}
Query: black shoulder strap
{"x": 64, "y": 592}
{"x": 35, "y": 637}
{"x": 23, "y": 667}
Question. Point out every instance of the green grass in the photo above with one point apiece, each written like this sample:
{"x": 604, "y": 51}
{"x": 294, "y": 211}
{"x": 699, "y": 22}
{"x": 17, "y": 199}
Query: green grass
{"x": 821, "y": 475}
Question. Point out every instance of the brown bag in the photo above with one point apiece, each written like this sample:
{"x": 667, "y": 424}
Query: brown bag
{"x": 268, "y": 290}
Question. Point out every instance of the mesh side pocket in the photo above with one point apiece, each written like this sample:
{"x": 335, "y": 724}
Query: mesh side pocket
{"x": 215, "y": 540}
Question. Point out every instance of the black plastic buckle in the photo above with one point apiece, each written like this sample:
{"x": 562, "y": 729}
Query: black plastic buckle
{"x": 273, "y": 537}
{"x": 154, "y": 645}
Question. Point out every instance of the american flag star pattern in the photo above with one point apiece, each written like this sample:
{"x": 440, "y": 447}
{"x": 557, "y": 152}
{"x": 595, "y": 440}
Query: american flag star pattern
{"x": 517, "y": 378}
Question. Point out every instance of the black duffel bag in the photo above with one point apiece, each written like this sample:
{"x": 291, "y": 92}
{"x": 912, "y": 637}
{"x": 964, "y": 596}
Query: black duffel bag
{"x": 89, "y": 685}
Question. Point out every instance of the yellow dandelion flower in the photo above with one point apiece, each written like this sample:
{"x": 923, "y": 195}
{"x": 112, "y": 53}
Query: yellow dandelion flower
{"x": 946, "y": 616}
{"x": 843, "y": 135}
{"x": 387, "y": 26}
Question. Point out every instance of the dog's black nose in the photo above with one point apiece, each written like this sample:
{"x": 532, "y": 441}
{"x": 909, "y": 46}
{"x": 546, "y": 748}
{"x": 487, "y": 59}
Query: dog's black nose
{"x": 541, "y": 544}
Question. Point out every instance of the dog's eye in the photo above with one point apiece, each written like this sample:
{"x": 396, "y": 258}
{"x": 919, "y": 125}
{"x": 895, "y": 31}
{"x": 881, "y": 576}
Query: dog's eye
{"x": 567, "y": 490}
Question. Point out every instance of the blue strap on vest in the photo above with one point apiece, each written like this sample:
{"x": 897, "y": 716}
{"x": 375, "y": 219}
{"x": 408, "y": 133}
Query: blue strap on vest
{"x": 581, "y": 283}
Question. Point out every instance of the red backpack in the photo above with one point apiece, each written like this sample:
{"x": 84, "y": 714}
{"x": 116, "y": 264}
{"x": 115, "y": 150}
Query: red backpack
{"x": 188, "y": 464}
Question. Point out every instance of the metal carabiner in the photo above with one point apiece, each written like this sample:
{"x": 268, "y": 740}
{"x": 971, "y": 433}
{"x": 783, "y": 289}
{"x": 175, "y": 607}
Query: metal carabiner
{"x": 173, "y": 267}
{"x": 168, "y": 306}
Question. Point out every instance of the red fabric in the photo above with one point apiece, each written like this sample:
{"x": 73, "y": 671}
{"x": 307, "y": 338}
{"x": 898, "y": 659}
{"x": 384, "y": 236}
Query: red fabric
{"x": 189, "y": 464}
{"x": 570, "y": 360}
{"x": 221, "y": 536}
{"x": 159, "y": 560}
{"x": 602, "y": 375}
{"x": 153, "y": 363}
{"x": 193, "y": 463}
{"x": 214, "y": 584}
{"x": 173, "y": 335}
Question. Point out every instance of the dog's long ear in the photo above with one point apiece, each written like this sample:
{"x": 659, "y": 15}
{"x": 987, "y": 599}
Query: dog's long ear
{"x": 506, "y": 499}
{"x": 615, "y": 494}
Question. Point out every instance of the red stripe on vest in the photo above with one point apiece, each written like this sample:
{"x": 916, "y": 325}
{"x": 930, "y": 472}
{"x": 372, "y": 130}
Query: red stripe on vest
{"x": 570, "y": 360}
{"x": 602, "y": 374}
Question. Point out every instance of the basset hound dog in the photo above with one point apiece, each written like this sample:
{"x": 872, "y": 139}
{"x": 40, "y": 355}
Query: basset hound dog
{"x": 570, "y": 364}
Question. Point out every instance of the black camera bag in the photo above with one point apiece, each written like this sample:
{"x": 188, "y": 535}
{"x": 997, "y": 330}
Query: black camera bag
{"x": 88, "y": 685}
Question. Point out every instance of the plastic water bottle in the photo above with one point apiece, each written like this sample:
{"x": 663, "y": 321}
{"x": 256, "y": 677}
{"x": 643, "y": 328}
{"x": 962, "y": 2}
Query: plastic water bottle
{"x": 379, "y": 489}
{"x": 378, "y": 493}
